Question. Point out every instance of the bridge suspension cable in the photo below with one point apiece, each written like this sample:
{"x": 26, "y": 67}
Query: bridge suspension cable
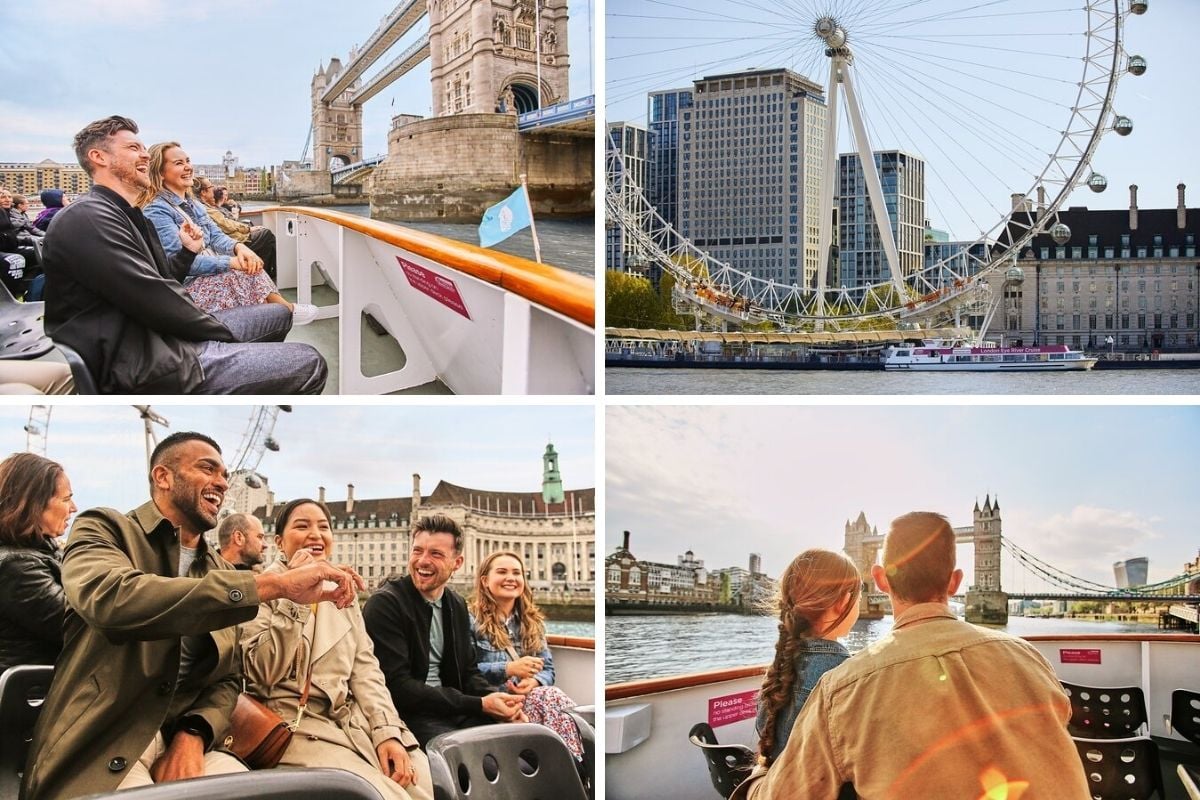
{"x": 1066, "y": 580}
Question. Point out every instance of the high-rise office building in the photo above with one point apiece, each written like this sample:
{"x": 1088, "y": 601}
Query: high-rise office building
{"x": 861, "y": 260}
{"x": 631, "y": 142}
{"x": 663, "y": 123}
{"x": 1131, "y": 572}
{"x": 751, "y": 156}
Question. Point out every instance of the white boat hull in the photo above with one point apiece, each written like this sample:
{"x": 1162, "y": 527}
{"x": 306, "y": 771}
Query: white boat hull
{"x": 1059, "y": 366}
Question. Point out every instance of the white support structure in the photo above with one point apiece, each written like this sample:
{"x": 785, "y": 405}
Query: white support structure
{"x": 828, "y": 184}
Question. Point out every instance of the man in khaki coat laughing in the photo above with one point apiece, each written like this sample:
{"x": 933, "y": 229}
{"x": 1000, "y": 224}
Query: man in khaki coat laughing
{"x": 148, "y": 676}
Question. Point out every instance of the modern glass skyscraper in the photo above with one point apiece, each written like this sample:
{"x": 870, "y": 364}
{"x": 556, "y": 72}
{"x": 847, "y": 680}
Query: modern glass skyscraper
{"x": 751, "y": 155}
{"x": 663, "y": 123}
{"x": 861, "y": 259}
{"x": 631, "y": 141}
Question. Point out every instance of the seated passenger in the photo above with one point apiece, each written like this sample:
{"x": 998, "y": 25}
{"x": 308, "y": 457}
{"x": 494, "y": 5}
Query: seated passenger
{"x": 510, "y": 639}
{"x": 258, "y": 238}
{"x": 21, "y": 240}
{"x": 818, "y": 604}
{"x": 12, "y": 263}
{"x": 37, "y": 506}
{"x": 52, "y": 203}
{"x": 223, "y": 275}
{"x": 231, "y": 207}
{"x": 20, "y": 217}
{"x": 349, "y": 722}
{"x": 114, "y": 296}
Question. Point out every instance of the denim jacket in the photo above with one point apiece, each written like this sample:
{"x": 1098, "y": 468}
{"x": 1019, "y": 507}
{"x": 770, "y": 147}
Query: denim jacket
{"x": 492, "y": 660}
{"x": 164, "y": 214}
{"x": 820, "y": 656}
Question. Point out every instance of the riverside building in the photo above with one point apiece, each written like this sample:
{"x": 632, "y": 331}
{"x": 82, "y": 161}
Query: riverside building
{"x": 861, "y": 259}
{"x": 663, "y": 111}
{"x": 631, "y": 141}
{"x": 1129, "y": 275}
{"x": 29, "y": 179}
{"x": 751, "y": 157}
{"x": 628, "y": 579}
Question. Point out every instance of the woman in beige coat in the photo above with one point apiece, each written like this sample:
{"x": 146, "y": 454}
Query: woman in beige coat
{"x": 349, "y": 722}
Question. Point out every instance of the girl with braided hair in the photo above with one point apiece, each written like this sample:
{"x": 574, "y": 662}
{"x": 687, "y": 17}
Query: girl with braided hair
{"x": 818, "y": 603}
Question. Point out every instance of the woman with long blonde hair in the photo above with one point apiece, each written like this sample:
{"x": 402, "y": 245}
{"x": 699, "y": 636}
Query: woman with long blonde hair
{"x": 510, "y": 637}
{"x": 225, "y": 274}
{"x": 817, "y": 604}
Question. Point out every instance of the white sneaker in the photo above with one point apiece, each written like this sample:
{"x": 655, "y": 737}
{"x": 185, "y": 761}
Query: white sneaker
{"x": 303, "y": 313}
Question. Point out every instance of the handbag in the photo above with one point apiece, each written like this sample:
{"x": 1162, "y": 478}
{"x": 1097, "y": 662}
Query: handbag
{"x": 259, "y": 736}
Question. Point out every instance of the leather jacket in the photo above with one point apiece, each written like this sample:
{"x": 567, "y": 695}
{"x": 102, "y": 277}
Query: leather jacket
{"x": 32, "y": 604}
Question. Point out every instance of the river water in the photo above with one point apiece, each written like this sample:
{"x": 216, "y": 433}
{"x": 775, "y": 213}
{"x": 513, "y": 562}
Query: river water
{"x": 569, "y": 244}
{"x": 638, "y": 380}
{"x": 656, "y": 646}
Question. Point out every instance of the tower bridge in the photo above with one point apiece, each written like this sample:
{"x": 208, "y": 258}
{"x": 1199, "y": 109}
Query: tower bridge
{"x": 985, "y": 598}
{"x": 490, "y": 61}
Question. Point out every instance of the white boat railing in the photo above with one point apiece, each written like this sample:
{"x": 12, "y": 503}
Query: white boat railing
{"x": 481, "y": 321}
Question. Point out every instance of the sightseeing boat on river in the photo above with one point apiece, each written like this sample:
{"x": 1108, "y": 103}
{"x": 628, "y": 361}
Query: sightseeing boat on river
{"x": 647, "y": 722}
{"x": 940, "y": 356}
{"x": 20, "y": 701}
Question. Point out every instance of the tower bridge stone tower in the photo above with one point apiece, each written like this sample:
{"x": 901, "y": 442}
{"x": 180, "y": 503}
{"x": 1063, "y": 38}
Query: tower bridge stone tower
{"x": 337, "y": 126}
{"x": 484, "y": 55}
{"x": 986, "y": 601}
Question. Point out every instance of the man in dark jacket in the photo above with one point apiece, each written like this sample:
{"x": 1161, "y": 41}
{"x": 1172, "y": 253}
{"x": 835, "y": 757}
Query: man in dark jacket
{"x": 150, "y": 667}
{"x": 112, "y": 295}
{"x": 422, "y": 639}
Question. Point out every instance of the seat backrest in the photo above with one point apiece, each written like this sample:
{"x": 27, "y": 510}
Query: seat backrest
{"x": 84, "y": 382}
{"x": 1106, "y": 713}
{"x": 587, "y": 735}
{"x": 281, "y": 783}
{"x": 503, "y": 762}
{"x": 1121, "y": 768}
{"x": 1185, "y": 714}
{"x": 21, "y": 333}
{"x": 728, "y": 764}
{"x": 22, "y": 690}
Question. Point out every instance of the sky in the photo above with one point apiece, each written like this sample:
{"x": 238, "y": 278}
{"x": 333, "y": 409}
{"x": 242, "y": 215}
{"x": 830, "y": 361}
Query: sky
{"x": 1080, "y": 487}
{"x": 215, "y": 75}
{"x": 377, "y": 448}
{"x": 982, "y": 92}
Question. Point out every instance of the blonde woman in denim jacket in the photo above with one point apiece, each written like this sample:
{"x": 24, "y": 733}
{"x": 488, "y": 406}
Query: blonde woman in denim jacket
{"x": 510, "y": 640}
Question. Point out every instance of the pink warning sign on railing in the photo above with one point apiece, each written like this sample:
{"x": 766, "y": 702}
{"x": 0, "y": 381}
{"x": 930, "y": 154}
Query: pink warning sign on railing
{"x": 428, "y": 282}
{"x": 732, "y": 708}
{"x": 1076, "y": 655}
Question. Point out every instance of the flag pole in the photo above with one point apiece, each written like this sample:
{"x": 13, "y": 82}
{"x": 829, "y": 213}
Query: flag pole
{"x": 537, "y": 247}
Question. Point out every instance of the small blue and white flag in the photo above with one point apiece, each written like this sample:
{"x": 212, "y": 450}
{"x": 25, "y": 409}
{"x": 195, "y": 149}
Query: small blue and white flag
{"x": 505, "y": 218}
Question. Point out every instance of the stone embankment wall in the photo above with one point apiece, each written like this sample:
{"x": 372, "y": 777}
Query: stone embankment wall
{"x": 452, "y": 168}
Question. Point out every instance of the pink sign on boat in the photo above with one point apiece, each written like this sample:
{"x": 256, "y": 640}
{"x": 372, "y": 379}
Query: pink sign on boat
{"x": 428, "y": 282}
{"x": 1068, "y": 655}
{"x": 732, "y": 708}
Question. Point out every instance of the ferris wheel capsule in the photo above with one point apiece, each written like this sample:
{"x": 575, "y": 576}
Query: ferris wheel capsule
{"x": 1014, "y": 275}
{"x": 1139, "y": 6}
{"x": 1137, "y": 65}
{"x": 1060, "y": 233}
{"x": 1123, "y": 126}
{"x": 1097, "y": 182}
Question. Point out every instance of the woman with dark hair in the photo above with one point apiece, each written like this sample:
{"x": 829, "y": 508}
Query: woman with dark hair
{"x": 35, "y": 506}
{"x": 818, "y": 604}
{"x": 290, "y": 650}
{"x": 510, "y": 639}
{"x": 225, "y": 274}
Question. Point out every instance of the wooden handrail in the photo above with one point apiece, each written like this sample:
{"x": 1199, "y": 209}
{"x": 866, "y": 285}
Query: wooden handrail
{"x": 621, "y": 691}
{"x": 568, "y": 293}
{"x": 581, "y": 642}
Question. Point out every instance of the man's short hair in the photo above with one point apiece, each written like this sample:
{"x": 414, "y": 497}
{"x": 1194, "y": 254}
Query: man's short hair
{"x": 97, "y": 134}
{"x": 165, "y": 453}
{"x": 919, "y": 557}
{"x": 440, "y": 523}
{"x": 230, "y": 525}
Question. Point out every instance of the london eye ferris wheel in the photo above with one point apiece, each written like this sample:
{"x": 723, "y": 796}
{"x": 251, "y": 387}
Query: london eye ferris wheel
{"x": 1003, "y": 104}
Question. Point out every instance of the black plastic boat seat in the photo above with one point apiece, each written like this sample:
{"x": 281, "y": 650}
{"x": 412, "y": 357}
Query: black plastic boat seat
{"x": 22, "y": 690}
{"x": 728, "y": 764}
{"x": 503, "y": 762}
{"x": 1106, "y": 713}
{"x": 84, "y": 382}
{"x": 282, "y": 783}
{"x": 1185, "y": 714}
{"x": 587, "y": 735}
{"x": 1121, "y": 769}
{"x": 21, "y": 333}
